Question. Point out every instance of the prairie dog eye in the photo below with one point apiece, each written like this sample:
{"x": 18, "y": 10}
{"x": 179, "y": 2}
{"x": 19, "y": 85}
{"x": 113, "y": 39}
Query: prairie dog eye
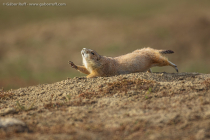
{"x": 92, "y": 53}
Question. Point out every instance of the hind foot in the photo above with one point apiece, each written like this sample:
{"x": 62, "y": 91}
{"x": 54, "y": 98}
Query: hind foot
{"x": 174, "y": 66}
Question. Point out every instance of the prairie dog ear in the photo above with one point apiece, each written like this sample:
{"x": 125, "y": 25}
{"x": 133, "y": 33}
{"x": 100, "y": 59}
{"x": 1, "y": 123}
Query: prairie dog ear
{"x": 99, "y": 57}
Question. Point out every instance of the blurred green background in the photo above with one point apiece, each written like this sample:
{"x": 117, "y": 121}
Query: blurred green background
{"x": 36, "y": 43}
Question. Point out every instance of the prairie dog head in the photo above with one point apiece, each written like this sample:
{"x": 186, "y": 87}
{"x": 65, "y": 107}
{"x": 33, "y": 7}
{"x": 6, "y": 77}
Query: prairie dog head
{"x": 90, "y": 58}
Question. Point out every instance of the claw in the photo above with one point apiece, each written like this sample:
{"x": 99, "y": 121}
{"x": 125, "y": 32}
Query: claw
{"x": 72, "y": 65}
{"x": 176, "y": 69}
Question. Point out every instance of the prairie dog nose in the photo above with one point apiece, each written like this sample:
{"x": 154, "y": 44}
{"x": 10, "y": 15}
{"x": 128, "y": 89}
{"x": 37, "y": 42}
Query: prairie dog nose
{"x": 84, "y": 50}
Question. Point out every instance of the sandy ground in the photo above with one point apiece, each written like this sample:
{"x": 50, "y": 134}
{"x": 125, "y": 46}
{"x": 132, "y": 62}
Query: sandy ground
{"x": 134, "y": 106}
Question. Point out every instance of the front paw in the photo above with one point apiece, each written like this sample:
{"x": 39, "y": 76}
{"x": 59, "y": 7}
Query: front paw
{"x": 72, "y": 65}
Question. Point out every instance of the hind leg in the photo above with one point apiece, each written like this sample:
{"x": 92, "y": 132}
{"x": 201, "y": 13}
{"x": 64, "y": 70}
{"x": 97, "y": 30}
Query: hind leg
{"x": 173, "y": 65}
{"x": 162, "y": 61}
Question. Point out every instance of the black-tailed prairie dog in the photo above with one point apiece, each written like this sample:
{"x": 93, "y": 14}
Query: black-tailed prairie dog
{"x": 140, "y": 60}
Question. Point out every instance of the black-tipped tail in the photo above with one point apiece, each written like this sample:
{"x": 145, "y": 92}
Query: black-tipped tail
{"x": 166, "y": 51}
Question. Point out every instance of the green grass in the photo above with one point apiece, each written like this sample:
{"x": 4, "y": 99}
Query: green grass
{"x": 198, "y": 66}
{"x": 24, "y": 108}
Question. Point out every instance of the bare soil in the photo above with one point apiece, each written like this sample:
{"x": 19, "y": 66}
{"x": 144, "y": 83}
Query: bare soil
{"x": 134, "y": 106}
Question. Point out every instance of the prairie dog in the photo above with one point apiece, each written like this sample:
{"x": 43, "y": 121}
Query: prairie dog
{"x": 140, "y": 60}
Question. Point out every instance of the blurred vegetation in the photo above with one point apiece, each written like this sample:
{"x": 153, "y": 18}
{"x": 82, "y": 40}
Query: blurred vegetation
{"x": 36, "y": 43}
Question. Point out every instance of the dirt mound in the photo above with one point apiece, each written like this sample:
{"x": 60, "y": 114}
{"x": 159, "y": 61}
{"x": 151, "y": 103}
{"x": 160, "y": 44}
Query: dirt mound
{"x": 133, "y": 106}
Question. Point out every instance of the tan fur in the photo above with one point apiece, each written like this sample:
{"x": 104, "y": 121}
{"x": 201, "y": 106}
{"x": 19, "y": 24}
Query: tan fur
{"x": 140, "y": 60}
